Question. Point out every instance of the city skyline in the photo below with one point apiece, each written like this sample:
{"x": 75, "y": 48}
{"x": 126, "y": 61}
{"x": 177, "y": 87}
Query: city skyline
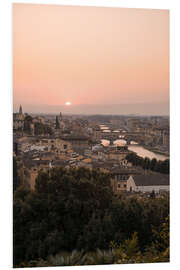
{"x": 105, "y": 109}
{"x": 94, "y": 58}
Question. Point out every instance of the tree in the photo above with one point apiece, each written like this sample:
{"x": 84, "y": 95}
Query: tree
{"x": 147, "y": 164}
{"x": 153, "y": 195}
{"x": 16, "y": 179}
{"x": 153, "y": 165}
{"x": 161, "y": 237}
{"x": 75, "y": 209}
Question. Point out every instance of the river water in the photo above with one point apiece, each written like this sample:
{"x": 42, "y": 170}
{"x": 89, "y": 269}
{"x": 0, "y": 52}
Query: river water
{"x": 138, "y": 149}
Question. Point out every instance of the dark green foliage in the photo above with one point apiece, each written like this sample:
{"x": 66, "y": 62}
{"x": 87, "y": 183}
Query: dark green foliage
{"x": 161, "y": 236}
{"x": 126, "y": 253}
{"x": 75, "y": 209}
{"x": 147, "y": 164}
{"x": 16, "y": 179}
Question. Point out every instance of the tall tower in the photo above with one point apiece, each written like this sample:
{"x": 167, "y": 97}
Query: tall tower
{"x": 57, "y": 123}
{"x": 60, "y": 116}
{"x": 20, "y": 110}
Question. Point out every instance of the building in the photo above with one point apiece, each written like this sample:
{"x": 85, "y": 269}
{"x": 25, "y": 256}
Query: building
{"x": 166, "y": 138}
{"x": 30, "y": 168}
{"x": 96, "y": 134}
{"x": 120, "y": 177}
{"x": 117, "y": 153}
{"x": 79, "y": 142}
{"x": 18, "y": 120}
{"x": 147, "y": 183}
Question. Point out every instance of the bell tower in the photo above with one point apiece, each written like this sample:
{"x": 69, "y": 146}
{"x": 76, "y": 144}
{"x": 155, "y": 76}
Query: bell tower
{"x": 60, "y": 116}
{"x": 20, "y": 110}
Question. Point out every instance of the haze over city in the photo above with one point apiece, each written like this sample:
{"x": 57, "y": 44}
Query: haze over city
{"x": 91, "y": 136}
{"x": 100, "y": 60}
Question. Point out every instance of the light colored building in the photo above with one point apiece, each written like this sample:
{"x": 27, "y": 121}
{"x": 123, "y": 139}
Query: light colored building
{"x": 18, "y": 119}
{"x": 148, "y": 183}
{"x": 120, "y": 177}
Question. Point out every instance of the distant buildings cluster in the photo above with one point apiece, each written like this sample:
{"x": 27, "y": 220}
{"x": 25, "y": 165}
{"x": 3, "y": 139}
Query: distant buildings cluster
{"x": 42, "y": 142}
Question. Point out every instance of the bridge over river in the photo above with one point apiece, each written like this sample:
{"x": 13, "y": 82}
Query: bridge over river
{"x": 125, "y": 135}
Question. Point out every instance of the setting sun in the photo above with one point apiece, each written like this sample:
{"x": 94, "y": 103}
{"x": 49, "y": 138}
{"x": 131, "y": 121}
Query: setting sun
{"x": 68, "y": 103}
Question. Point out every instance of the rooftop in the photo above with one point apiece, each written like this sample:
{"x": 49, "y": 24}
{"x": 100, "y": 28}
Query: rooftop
{"x": 151, "y": 180}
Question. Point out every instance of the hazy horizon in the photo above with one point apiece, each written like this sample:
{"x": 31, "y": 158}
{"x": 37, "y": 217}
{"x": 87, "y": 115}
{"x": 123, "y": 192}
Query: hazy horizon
{"x": 116, "y": 109}
{"x": 101, "y": 60}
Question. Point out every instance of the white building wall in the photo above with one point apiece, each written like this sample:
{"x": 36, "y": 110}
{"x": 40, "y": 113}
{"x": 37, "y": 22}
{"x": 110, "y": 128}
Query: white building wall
{"x": 151, "y": 188}
{"x": 131, "y": 184}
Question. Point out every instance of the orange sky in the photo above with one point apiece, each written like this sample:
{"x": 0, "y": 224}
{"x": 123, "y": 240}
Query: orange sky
{"x": 89, "y": 55}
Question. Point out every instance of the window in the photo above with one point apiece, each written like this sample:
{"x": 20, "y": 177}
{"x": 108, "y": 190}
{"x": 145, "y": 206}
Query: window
{"x": 125, "y": 185}
{"x": 65, "y": 146}
{"x": 119, "y": 185}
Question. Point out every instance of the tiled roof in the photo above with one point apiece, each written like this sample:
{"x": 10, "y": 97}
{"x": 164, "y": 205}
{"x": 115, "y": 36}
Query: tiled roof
{"x": 151, "y": 180}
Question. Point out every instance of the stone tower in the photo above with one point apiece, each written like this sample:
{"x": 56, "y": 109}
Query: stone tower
{"x": 57, "y": 123}
{"x": 60, "y": 116}
{"x": 20, "y": 110}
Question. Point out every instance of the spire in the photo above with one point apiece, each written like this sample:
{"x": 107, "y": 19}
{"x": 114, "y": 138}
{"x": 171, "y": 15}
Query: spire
{"x": 20, "y": 110}
{"x": 57, "y": 123}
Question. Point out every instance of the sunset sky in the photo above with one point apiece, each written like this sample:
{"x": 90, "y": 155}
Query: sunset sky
{"x": 94, "y": 56}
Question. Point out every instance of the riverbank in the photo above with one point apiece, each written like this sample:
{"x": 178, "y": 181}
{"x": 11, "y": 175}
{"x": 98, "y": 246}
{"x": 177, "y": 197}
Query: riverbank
{"x": 156, "y": 151}
{"x": 146, "y": 152}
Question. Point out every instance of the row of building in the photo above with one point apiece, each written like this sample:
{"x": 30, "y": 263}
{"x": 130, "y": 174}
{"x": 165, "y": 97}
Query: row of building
{"x": 72, "y": 144}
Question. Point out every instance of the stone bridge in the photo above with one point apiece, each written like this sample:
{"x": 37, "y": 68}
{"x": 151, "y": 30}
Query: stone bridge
{"x": 127, "y": 136}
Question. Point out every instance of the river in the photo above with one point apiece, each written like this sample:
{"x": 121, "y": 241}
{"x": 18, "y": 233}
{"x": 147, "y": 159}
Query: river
{"x": 138, "y": 149}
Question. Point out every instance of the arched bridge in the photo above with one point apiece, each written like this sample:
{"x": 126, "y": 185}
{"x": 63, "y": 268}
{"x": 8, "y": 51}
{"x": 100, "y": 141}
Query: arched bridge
{"x": 127, "y": 136}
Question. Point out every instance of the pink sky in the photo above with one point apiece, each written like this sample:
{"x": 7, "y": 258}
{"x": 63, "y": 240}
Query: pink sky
{"x": 89, "y": 55}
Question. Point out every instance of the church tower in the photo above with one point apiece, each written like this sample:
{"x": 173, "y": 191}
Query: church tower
{"x": 57, "y": 123}
{"x": 20, "y": 110}
{"x": 60, "y": 116}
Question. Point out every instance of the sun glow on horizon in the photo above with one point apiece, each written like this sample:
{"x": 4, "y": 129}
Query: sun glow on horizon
{"x": 68, "y": 103}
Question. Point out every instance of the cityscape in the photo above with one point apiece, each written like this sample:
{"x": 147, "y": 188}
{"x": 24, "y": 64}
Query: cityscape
{"x": 91, "y": 147}
{"x": 132, "y": 152}
{"x": 96, "y": 141}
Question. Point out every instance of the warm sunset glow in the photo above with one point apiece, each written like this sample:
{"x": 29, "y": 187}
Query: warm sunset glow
{"x": 68, "y": 103}
{"x": 95, "y": 56}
